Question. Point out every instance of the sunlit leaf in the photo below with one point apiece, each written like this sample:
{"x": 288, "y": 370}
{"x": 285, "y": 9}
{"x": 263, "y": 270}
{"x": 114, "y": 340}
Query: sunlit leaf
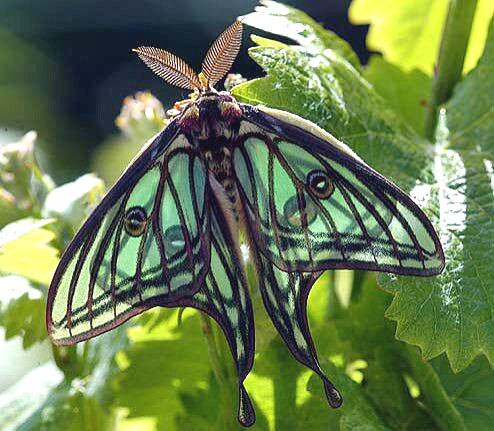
{"x": 453, "y": 312}
{"x": 163, "y": 363}
{"x": 406, "y": 92}
{"x": 26, "y": 250}
{"x": 408, "y": 32}
{"x": 21, "y": 227}
{"x": 289, "y": 22}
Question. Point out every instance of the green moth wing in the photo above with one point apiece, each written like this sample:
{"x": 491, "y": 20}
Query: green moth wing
{"x": 313, "y": 204}
{"x": 146, "y": 244}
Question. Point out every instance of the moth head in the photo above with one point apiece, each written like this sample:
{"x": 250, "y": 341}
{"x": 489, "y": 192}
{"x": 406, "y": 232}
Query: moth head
{"x": 212, "y": 114}
{"x": 216, "y": 64}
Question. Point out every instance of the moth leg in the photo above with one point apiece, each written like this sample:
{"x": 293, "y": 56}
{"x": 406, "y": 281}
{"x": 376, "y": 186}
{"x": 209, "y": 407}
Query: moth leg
{"x": 285, "y": 297}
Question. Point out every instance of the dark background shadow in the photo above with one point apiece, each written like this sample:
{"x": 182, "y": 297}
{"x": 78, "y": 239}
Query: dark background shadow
{"x": 67, "y": 64}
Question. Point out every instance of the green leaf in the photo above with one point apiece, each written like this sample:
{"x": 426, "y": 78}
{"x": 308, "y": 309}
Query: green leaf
{"x": 406, "y": 92}
{"x": 22, "y": 310}
{"x": 356, "y": 413}
{"x": 163, "y": 363}
{"x": 25, "y": 250}
{"x": 453, "y": 312}
{"x": 470, "y": 391}
{"x": 408, "y": 32}
{"x": 287, "y": 21}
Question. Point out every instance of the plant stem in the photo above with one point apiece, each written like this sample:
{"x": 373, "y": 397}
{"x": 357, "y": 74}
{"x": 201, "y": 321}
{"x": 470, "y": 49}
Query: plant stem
{"x": 218, "y": 358}
{"x": 449, "y": 66}
{"x": 440, "y": 407}
{"x": 214, "y": 356}
{"x": 67, "y": 360}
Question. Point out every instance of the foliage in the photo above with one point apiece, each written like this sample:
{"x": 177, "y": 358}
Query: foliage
{"x": 409, "y": 35}
{"x": 153, "y": 373}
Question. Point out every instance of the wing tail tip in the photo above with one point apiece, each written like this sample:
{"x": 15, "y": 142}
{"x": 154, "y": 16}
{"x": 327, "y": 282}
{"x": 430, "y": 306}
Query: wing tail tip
{"x": 335, "y": 400}
{"x": 246, "y": 414}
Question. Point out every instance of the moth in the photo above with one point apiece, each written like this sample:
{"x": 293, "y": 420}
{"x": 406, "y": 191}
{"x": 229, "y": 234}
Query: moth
{"x": 227, "y": 199}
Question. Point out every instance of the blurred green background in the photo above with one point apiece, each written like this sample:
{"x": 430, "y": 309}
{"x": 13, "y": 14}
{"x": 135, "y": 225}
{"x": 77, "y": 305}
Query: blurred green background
{"x": 66, "y": 66}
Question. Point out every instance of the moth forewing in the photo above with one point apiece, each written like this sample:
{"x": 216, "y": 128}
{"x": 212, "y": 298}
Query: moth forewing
{"x": 363, "y": 222}
{"x": 110, "y": 272}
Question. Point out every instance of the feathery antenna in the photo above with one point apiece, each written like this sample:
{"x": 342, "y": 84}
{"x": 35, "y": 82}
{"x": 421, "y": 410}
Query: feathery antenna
{"x": 169, "y": 67}
{"x": 222, "y": 54}
{"x": 215, "y": 66}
